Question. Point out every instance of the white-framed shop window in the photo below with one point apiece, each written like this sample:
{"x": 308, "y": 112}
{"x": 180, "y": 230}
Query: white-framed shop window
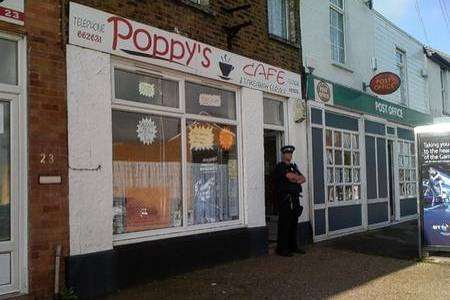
{"x": 337, "y": 31}
{"x": 407, "y": 169}
{"x": 13, "y": 166}
{"x": 343, "y": 166}
{"x": 176, "y": 153}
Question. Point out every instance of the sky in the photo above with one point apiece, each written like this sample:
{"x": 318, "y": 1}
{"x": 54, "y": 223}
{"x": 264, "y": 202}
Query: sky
{"x": 404, "y": 14}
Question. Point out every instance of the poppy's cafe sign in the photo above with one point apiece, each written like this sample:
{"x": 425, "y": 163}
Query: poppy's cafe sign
{"x": 112, "y": 34}
{"x": 12, "y": 11}
{"x": 434, "y": 179}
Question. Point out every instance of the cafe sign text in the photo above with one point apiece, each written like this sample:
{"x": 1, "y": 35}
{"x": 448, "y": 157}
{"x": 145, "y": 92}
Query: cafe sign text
{"x": 101, "y": 31}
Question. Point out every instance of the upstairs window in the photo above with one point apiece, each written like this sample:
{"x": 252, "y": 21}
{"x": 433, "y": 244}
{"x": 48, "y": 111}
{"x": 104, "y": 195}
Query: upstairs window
{"x": 444, "y": 92}
{"x": 400, "y": 61}
{"x": 281, "y": 14}
{"x": 337, "y": 37}
{"x": 201, "y": 2}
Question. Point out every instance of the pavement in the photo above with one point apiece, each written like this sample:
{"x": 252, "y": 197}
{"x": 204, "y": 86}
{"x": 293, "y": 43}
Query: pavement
{"x": 380, "y": 264}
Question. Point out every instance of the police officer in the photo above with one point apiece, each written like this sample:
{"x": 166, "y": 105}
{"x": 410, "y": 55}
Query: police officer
{"x": 288, "y": 181}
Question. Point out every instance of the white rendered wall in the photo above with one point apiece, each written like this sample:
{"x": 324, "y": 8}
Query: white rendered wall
{"x": 387, "y": 38}
{"x": 316, "y": 47}
{"x": 90, "y": 145}
{"x": 297, "y": 137}
{"x": 253, "y": 156}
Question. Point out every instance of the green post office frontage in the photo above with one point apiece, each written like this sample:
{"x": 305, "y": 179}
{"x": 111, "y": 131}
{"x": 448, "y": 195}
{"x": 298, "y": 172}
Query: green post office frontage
{"x": 362, "y": 160}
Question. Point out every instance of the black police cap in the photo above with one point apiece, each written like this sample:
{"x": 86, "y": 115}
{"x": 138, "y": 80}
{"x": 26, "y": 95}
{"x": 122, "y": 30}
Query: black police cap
{"x": 287, "y": 149}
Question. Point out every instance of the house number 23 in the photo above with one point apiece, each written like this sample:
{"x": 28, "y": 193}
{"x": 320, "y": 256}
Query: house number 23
{"x": 47, "y": 158}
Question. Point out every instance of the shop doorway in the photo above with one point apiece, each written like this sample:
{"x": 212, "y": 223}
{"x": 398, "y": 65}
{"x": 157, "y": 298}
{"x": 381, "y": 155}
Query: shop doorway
{"x": 273, "y": 140}
{"x": 391, "y": 180}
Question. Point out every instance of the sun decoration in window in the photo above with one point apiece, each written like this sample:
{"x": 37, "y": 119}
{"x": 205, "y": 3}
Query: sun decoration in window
{"x": 201, "y": 137}
{"x": 226, "y": 139}
{"x": 146, "y": 131}
{"x": 146, "y": 89}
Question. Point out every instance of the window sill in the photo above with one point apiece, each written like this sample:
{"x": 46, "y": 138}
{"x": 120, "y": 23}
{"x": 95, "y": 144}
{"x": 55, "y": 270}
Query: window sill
{"x": 284, "y": 41}
{"x": 206, "y": 9}
{"x": 342, "y": 66}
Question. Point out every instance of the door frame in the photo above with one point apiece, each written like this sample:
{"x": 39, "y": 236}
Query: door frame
{"x": 19, "y": 160}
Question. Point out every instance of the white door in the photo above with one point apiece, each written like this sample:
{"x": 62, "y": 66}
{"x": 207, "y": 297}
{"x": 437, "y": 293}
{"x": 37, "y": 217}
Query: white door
{"x": 9, "y": 210}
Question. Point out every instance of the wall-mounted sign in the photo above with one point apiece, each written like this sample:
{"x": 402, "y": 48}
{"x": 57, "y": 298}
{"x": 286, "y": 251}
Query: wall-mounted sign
{"x": 98, "y": 30}
{"x": 323, "y": 91}
{"x": 12, "y": 11}
{"x": 385, "y": 83}
{"x": 434, "y": 175}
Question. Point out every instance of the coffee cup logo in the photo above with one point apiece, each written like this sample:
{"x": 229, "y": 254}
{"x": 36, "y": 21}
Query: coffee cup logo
{"x": 225, "y": 67}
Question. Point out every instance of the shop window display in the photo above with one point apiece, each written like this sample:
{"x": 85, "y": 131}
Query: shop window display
{"x": 343, "y": 166}
{"x": 148, "y": 163}
{"x": 407, "y": 169}
{"x": 5, "y": 173}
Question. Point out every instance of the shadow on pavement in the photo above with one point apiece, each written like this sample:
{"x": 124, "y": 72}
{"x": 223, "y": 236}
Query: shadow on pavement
{"x": 396, "y": 241}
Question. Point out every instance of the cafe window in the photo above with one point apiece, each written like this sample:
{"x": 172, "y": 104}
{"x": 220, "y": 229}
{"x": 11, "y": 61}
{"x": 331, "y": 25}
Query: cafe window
{"x": 174, "y": 170}
{"x": 407, "y": 169}
{"x": 343, "y": 176}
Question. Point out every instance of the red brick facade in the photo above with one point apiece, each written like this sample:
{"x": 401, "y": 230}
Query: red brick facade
{"x": 48, "y": 219}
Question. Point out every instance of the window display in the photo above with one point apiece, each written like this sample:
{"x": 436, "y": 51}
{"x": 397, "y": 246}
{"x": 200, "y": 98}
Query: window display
{"x": 407, "y": 169}
{"x": 148, "y": 163}
{"x": 343, "y": 168}
{"x": 147, "y": 172}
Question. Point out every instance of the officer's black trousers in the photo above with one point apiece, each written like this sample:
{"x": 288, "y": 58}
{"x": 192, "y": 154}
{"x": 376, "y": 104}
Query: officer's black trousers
{"x": 287, "y": 229}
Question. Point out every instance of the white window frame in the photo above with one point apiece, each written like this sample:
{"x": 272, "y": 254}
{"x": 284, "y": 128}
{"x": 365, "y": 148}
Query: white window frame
{"x": 412, "y": 167}
{"x": 286, "y": 21}
{"x": 342, "y": 166}
{"x": 280, "y": 128}
{"x": 404, "y": 99}
{"x": 341, "y": 11}
{"x": 313, "y": 206}
{"x": 444, "y": 92}
{"x": 181, "y": 114}
{"x": 17, "y": 96}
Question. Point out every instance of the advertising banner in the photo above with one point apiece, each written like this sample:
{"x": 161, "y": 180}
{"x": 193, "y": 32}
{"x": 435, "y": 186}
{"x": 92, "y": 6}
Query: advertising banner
{"x": 12, "y": 11}
{"x": 434, "y": 172}
{"x": 101, "y": 31}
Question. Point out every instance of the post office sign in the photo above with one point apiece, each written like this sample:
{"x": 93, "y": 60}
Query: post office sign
{"x": 385, "y": 83}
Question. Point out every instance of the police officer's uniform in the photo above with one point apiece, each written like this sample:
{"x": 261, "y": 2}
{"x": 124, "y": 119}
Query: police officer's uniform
{"x": 289, "y": 207}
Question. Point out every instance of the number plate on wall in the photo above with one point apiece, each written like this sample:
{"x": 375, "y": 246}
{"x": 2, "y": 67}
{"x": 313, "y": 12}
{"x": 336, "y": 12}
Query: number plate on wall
{"x": 12, "y": 11}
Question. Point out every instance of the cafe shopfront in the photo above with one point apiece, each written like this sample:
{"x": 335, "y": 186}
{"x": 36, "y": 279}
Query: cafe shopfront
{"x": 166, "y": 144}
{"x": 362, "y": 160}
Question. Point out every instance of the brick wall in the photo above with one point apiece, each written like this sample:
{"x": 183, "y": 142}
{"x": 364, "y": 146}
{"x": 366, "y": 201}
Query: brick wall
{"x": 47, "y": 134}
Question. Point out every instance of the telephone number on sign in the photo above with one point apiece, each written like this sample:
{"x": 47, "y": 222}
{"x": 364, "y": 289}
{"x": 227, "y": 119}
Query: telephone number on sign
{"x": 89, "y": 36}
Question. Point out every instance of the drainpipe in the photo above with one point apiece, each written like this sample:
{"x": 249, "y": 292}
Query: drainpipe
{"x": 57, "y": 267}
